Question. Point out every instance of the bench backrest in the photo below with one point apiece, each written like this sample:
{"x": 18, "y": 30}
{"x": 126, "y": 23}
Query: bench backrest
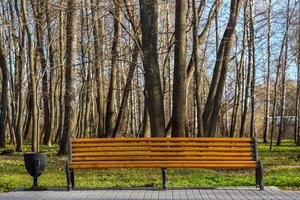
{"x": 152, "y": 150}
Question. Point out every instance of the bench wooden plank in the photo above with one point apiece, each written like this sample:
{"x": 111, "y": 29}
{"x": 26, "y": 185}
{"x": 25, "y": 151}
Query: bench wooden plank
{"x": 165, "y": 162}
{"x": 209, "y": 139}
{"x": 163, "y": 144}
{"x": 159, "y": 165}
{"x": 133, "y": 153}
{"x": 105, "y": 158}
{"x": 160, "y": 149}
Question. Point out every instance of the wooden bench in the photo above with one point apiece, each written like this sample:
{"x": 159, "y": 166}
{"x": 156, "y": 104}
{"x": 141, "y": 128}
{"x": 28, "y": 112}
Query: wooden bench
{"x": 94, "y": 153}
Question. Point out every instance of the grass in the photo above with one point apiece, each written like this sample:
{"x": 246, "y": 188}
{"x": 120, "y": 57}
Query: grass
{"x": 282, "y": 169}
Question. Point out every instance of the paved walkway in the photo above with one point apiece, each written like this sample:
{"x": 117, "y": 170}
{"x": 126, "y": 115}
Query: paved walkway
{"x": 240, "y": 193}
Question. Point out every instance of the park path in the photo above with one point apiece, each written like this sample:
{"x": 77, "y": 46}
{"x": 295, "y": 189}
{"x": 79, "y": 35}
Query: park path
{"x": 234, "y": 193}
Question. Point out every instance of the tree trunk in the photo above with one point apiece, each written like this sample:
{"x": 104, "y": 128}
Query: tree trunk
{"x": 146, "y": 129}
{"x": 297, "y": 121}
{"x": 33, "y": 82}
{"x": 237, "y": 89}
{"x": 111, "y": 97}
{"x": 127, "y": 89}
{"x": 40, "y": 30}
{"x": 155, "y": 105}
{"x": 19, "y": 80}
{"x": 179, "y": 85}
{"x": 61, "y": 72}
{"x": 267, "y": 80}
{"x": 166, "y": 68}
{"x": 283, "y": 80}
{"x": 279, "y": 65}
{"x": 69, "y": 100}
{"x": 3, "y": 100}
{"x": 52, "y": 94}
{"x": 213, "y": 103}
{"x": 253, "y": 63}
{"x": 98, "y": 39}
{"x": 248, "y": 74}
{"x": 197, "y": 72}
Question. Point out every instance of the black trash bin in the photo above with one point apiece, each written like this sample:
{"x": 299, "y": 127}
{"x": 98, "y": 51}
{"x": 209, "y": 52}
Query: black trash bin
{"x": 35, "y": 163}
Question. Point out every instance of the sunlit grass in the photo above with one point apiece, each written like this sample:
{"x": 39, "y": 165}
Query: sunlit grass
{"x": 282, "y": 169}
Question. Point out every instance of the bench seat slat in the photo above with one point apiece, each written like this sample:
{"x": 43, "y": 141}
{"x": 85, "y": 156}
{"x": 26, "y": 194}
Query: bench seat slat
{"x": 151, "y": 162}
{"x": 163, "y": 144}
{"x": 132, "y": 153}
{"x": 162, "y": 165}
{"x": 160, "y": 149}
{"x": 104, "y": 140}
{"x": 182, "y": 158}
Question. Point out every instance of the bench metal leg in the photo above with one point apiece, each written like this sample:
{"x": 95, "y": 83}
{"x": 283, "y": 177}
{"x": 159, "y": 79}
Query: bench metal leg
{"x": 257, "y": 175}
{"x": 261, "y": 175}
{"x": 68, "y": 176}
{"x": 72, "y": 178}
{"x": 164, "y": 177}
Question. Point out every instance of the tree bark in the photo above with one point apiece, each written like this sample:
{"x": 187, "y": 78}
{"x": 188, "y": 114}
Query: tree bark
{"x": 40, "y": 31}
{"x": 59, "y": 132}
{"x": 33, "y": 82}
{"x": 98, "y": 39}
{"x": 155, "y": 105}
{"x": 19, "y": 77}
{"x": 248, "y": 77}
{"x": 111, "y": 96}
{"x": 279, "y": 66}
{"x": 179, "y": 84}
{"x": 146, "y": 129}
{"x": 52, "y": 67}
{"x": 127, "y": 89}
{"x": 213, "y": 103}
{"x": 3, "y": 100}
{"x": 253, "y": 63}
{"x": 297, "y": 121}
{"x": 197, "y": 72}
{"x": 69, "y": 100}
{"x": 267, "y": 80}
{"x": 238, "y": 83}
{"x": 283, "y": 80}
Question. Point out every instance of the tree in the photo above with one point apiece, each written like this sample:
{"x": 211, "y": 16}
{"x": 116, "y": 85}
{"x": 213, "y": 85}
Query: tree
{"x": 197, "y": 70}
{"x": 252, "y": 60}
{"x": 40, "y": 18}
{"x": 111, "y": 97}
{"x": 32, "y": 87}
{"x": 19, "y": 45}
{"x": 267, "y": 80}
{"x": 238, "y": 86}
{"x": 52, "y": 76}
{"x": 297, "y": 121}
{"x": 132, "y": 68}
{"x": 61, "y": 72}
{"x": 213, "y": 102}
{"x": 3, "y": 100}
{"x": 248, "y": 76}
{"x": 283, "y": 79}
{"x": 98, "y": 39}
{"x": 155, "y": 105}
{"x": 278, "y": 68}
{"x": 127, "y": 89}
{"x": 179, "y": 84}
{"x": 69, "y": 100}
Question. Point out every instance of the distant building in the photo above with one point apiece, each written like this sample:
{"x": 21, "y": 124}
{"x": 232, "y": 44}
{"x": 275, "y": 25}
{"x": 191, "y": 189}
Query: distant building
{"x": 288, "y": 120}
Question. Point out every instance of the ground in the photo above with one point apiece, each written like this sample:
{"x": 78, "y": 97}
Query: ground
{"x": 282, "y": 169}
